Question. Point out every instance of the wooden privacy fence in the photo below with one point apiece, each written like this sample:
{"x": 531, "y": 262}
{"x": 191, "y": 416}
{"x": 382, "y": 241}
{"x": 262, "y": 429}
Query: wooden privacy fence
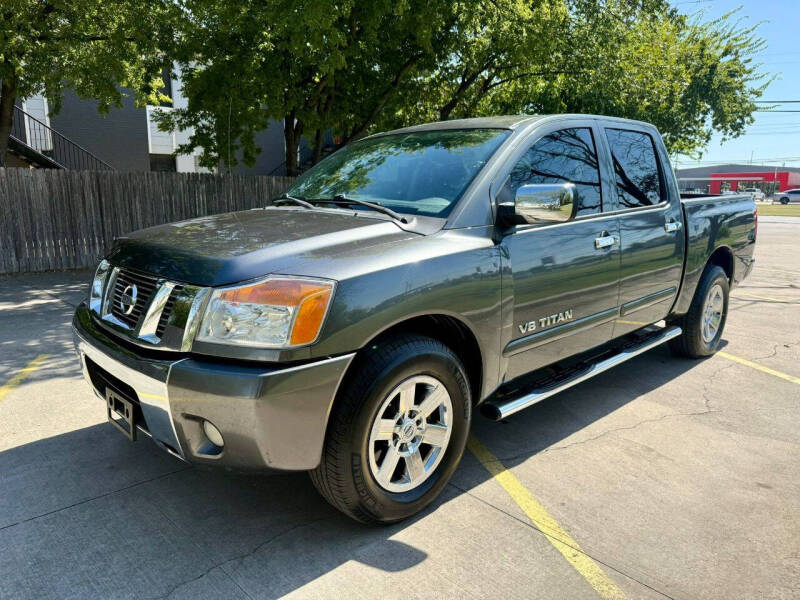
{"x": 57, "y": 219}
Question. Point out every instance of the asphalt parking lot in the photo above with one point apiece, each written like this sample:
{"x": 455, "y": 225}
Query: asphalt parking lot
{"x": 675, "y": 478}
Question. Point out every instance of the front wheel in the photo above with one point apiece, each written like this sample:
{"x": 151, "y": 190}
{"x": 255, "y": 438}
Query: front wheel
{"x": 703, "y": 324}
{"x": 784, "y": 201}
{"x": 397, "y": 431}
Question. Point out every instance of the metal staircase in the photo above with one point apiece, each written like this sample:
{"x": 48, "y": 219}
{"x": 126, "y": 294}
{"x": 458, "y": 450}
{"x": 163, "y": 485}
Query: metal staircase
{"x": 41, "y": 146}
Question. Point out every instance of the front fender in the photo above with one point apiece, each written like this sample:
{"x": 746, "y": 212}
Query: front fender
{"x": 455, "y": 273}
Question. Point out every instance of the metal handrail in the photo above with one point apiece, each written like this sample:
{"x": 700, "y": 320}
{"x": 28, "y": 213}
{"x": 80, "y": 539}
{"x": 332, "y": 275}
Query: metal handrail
{"x": 56, "y": 148}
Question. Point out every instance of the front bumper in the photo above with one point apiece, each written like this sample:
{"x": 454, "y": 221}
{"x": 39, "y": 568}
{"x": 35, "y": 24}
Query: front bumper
{"x": 269, "y": 417}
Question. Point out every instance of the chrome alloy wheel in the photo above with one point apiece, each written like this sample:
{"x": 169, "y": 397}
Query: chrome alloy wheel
{"x": 410, "y": 434}
{"x": 712, "y": 313}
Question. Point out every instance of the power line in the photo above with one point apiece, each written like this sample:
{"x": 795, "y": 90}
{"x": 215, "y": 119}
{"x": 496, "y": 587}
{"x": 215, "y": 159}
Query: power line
{"x": 772, "y": 133}
{"x": 777, "y": 101}
{"x": 744, "y": 160}
{"x": 743, "y": 163}
{"x": 773, "y": 127}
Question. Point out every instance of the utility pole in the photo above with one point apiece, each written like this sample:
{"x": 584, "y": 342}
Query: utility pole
{"x": 775, "y": 181}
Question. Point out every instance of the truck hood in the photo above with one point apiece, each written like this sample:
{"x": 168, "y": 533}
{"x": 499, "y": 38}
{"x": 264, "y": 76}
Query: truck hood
{"x": 238, "y": 246}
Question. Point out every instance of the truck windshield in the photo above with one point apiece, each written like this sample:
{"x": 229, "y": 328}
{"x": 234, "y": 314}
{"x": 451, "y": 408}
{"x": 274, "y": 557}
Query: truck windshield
{"x": 421, "y": 173}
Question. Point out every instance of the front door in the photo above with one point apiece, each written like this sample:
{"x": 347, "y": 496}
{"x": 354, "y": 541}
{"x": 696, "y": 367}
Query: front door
{"x": 561, "y": 279}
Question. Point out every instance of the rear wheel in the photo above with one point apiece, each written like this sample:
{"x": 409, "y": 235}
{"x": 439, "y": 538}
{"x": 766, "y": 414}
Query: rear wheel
{"x": 397, "y": 431}
{"x": 704, "y": 323}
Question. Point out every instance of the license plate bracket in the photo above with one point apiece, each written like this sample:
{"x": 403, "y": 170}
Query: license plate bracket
{"x": 120, "y": 413}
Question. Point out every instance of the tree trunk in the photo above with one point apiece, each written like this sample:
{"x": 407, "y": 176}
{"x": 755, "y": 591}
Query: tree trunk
{"x": 317, "y": 146}
{"x": 467, "y": 79}
{"x": 292, "y": 130}
{"x": 8, "y": 94}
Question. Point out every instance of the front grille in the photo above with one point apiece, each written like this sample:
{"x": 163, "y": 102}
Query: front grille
{"x": 162, "y": 322}
{"x": 159, "y": 313}
{"x": 145, "y": 288}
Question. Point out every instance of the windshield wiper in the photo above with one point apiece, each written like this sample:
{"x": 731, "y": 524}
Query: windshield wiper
{"x": 287, "y": 199}
{"x": 342, "y": 199}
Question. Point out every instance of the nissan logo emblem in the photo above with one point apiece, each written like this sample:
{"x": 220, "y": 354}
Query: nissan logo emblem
{"x": 127, "y": 301}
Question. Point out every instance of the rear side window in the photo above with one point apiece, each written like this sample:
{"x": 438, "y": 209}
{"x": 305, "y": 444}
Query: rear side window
{"x": 635, "y": 168}
{"x": 567, "y": 155}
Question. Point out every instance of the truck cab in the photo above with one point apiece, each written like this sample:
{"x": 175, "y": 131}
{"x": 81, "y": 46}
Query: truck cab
{"x": 627, "y": 219}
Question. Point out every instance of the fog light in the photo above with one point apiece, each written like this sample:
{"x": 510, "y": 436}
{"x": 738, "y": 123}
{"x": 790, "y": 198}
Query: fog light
{"x": 213, "y": 434}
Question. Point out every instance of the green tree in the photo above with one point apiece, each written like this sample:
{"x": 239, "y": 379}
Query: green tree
{"x": 649, "y": 62}
{"x": 640, "y": 60}
{"x": 497, "y": 43}
{"x": 356, "y": 67}
{"x": 91, "y": 46}
{"x": 313, "y": 64}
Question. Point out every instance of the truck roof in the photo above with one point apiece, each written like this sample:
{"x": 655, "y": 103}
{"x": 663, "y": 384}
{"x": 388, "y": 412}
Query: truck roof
{"x": 498, "y": 122}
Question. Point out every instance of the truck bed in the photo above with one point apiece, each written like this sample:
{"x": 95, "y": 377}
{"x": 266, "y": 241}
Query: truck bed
{"x": 721, "y": 224}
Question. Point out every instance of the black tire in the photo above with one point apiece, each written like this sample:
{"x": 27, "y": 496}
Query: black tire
{"x": 691, "y": 342}
{"x": 344, "y": 477}
{"x": 784, "y": 200}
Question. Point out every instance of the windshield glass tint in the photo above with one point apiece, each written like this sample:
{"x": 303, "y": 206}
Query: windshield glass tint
{"x": 423, "y": 173}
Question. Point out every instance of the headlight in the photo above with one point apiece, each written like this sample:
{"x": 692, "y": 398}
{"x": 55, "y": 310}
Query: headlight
{"x": 98, "y": 283}
{"x": 277, "y": 312}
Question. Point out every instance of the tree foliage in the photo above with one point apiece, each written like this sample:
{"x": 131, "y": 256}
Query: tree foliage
{"x": 91, "y": 46}
{"x": 354, "y": 67}
{"x": 313, "y": 64}
{"x": 649, "y": 62}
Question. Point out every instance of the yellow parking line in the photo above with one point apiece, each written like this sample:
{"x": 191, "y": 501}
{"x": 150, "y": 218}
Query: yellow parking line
{"x": 767, "y": 298}
{"x": 545, "y": 522}
{"x": 763, "y": 369}
{"x": 22, "y": 375}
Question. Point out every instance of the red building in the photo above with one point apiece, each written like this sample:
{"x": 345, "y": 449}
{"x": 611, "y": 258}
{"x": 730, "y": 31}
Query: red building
{"x": 786, "y": 180}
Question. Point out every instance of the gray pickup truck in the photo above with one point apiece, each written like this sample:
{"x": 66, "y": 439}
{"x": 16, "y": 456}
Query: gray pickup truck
{"x": 352, "y": 328}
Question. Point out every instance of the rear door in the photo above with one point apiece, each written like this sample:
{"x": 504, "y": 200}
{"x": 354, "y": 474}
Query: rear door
{"x": 560, "y": 282}
{"x": 650, "y": 222}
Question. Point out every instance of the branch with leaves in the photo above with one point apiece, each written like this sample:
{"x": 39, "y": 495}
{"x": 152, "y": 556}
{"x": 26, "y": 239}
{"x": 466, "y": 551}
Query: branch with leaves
{"x": 95, "y": 47}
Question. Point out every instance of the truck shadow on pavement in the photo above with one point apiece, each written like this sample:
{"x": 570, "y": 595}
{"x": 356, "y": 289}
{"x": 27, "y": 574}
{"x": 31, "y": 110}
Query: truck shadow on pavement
{"x": 87, "y": 514}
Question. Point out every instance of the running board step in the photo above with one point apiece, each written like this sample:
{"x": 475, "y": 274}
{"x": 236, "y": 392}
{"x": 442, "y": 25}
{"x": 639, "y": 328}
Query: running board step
{"x": 500, "y": 409}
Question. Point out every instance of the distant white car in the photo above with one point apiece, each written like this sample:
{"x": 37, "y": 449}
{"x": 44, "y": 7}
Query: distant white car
{"x": 757, "y": 194}
{"x": 788, "y": 196}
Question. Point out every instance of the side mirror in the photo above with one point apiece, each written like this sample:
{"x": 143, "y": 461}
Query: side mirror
{"x": 545, "y": 202}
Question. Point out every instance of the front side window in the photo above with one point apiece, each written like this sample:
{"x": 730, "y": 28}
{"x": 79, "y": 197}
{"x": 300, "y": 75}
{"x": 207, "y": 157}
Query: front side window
{"x": 564, "y": 156}
{"x": 635, "y": 168}
{"x": 419, "y": 173}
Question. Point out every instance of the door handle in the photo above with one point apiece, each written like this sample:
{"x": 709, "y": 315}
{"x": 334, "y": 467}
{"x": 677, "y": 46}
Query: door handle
{"x": 672, "y": 226}
{"x": 605, "y": 240}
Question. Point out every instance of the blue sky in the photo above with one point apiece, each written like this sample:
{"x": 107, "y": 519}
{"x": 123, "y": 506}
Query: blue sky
{"x": 774, "y": 138}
